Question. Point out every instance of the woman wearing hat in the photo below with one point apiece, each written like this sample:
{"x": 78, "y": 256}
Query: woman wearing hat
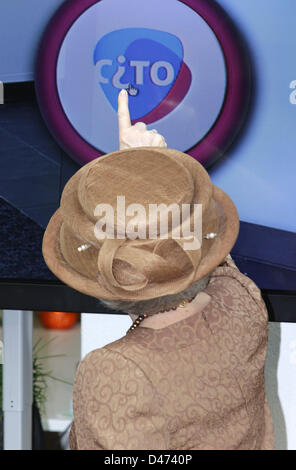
{"x": 189, "y": 373}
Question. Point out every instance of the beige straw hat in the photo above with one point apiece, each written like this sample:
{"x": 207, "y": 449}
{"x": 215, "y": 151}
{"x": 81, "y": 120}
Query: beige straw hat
{"x": 137, "y": 269}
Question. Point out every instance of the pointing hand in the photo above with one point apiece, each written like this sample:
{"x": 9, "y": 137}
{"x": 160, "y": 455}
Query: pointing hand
{"x": 136, "y": 135}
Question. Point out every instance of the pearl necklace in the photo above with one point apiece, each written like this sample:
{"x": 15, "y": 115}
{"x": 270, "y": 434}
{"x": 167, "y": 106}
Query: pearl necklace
{"x": 141, "y": 317}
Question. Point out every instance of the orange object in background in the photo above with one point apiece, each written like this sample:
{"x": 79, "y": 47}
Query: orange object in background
{"x": 58, "y": 320}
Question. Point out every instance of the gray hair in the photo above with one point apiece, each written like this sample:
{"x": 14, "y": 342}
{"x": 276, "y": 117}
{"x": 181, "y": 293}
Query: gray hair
{"x": 152, "y": 306}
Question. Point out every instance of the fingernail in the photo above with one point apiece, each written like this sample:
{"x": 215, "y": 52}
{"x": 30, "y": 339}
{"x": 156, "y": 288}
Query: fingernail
{"x": 123, "y": 92}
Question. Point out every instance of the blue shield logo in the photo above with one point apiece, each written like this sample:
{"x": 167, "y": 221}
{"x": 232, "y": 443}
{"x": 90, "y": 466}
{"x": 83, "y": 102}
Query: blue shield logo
{"x": 147, "y": 62}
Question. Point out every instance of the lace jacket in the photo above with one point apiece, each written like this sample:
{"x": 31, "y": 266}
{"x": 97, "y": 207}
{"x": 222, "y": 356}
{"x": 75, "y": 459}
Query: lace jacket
{"x": 195, "y": 384}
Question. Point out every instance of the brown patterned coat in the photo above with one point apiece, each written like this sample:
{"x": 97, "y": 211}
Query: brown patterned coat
{"x": 196, "y": 384}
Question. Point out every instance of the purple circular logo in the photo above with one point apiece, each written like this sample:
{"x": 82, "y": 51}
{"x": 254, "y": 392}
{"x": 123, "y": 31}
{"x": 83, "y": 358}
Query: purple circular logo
{"x": 189, "y": 78}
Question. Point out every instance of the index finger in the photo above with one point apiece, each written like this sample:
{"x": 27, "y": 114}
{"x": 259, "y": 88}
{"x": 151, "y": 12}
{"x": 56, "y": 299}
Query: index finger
{"x": 124, "y": 120}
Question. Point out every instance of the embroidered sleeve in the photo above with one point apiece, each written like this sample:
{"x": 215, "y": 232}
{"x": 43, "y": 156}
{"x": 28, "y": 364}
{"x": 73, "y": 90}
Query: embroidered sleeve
{"x": 230, "y": 272}
{"x": 115, "y": 405}
{"x": 228, "y": 261}
{"x": 72, "y": 438}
